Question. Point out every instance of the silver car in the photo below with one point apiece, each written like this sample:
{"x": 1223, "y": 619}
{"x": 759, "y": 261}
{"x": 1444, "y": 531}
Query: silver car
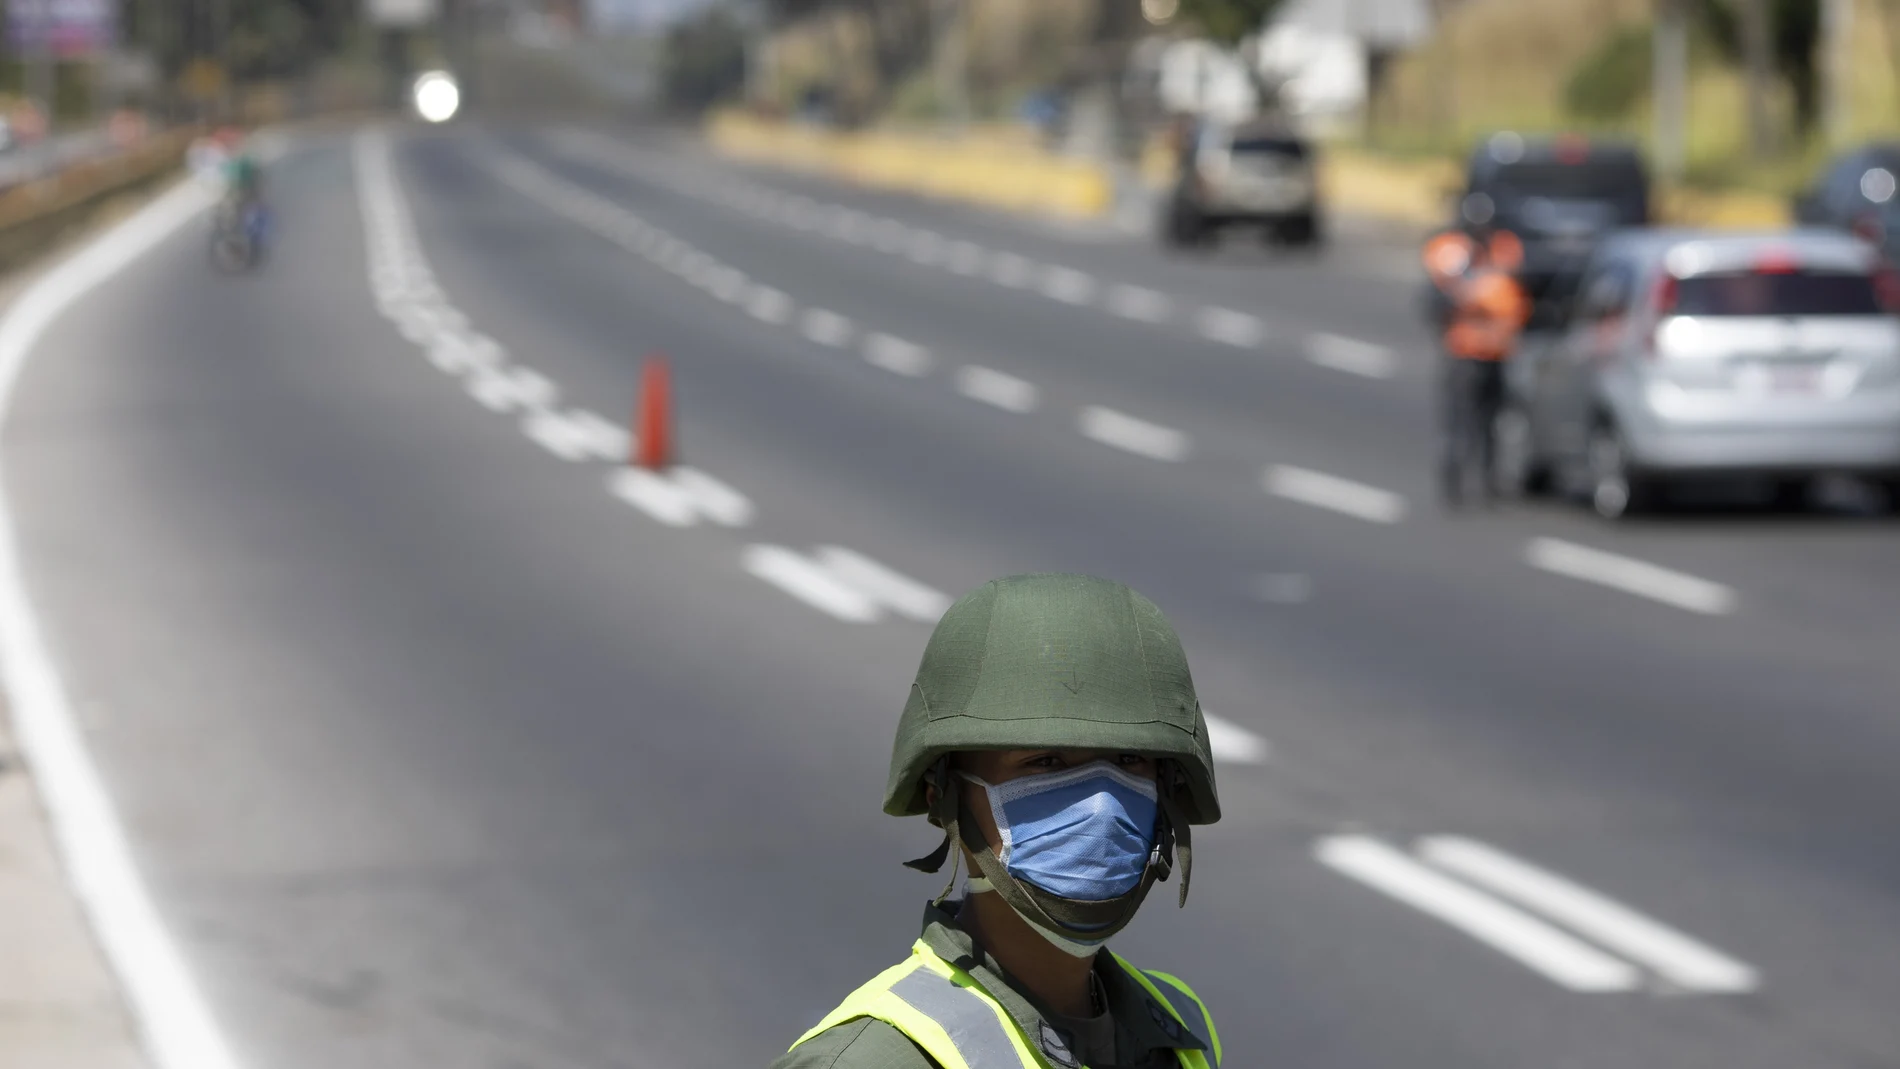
{"x": 1695, "y": 353}
{"x": 1250, "y": 174}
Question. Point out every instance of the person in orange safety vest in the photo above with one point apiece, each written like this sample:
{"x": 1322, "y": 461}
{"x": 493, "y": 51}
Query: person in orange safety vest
{"x": 1485, "y": 309}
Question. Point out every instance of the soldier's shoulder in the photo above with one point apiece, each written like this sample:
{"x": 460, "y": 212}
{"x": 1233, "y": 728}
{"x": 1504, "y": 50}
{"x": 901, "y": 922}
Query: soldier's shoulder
{"x": 866, "y": 1043}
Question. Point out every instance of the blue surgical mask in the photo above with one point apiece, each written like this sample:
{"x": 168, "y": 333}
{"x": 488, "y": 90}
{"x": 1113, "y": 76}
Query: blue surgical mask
{"x": 1084, "y": 833}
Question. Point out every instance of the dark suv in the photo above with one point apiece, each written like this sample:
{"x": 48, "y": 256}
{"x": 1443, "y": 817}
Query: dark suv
{"x": 1858, "y": 191}
{"x": 1559, "y": 195}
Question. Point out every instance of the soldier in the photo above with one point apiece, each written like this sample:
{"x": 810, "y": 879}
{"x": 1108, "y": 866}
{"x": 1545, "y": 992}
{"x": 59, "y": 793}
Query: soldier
{"x": 1054, "y": 735}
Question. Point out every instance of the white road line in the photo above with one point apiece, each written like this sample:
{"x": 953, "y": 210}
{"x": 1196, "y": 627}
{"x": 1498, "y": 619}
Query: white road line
{"x": 559, "y": 435}
{"x": 810, "y": 583}
{"x": 1133, "y": 435}
{"x": 855, "y": 227}
{"x": 889, "y": 588}
{"x": 1140, "y": 303}
{"x": 769, "y": 305}
{"x": 826, "y": 327}
{"x": 926, "y": 247}
{"x": 1630, "y": 576}
{"x": 1351, "y": 355}
{"x": 1331, "y": 492}
{"x": 712, "y": 498}
{"x": 605, "y": 439}
{"x": 993, "y": 387}
{"x": 1009, "y": 269}
{"x": 655, "y": 495}
{"x": 802, "y": 214}
{"x": 1229, "y": 327}
{"x": 1233, "y": 743}
{"x": 1563, "y": 959}
{"x": 966, "y": 258}
{"x": 1674, "y": 956}
{"x": 1068, "y": 285}
{"x": 172, "y": 1015}
{"x": 729, "y": 284}
{"x": 891, "y": 236}
{"x": 897, "y": 355}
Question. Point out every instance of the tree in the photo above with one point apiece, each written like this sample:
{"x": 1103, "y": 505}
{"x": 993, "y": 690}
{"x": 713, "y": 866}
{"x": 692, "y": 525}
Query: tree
{"x": 1227, "y": 21}
{"x": 1793, "y": 30}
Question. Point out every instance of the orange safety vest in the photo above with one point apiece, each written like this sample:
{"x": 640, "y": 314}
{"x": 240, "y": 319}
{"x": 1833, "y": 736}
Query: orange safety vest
{"x": 1489, "y": 309}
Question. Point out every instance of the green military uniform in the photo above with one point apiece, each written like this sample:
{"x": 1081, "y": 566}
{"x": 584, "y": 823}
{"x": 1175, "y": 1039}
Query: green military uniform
{"x": 1034, "y": 662}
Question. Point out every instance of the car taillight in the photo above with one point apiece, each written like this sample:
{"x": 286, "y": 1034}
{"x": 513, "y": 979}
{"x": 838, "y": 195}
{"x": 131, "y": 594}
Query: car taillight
{"x": 1663, "y": 305}
{"x": 1887, "y": 288}
{"x": 1571, "y": 149}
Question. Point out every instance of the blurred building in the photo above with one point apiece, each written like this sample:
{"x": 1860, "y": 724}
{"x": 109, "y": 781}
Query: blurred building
{"x": 1329, "y": 56}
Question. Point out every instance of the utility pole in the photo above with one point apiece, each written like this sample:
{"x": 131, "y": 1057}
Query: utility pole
{"x": 1837, "y": 44}
{"x": 1757, "y": 50}
{"x": 1669, "y": 78}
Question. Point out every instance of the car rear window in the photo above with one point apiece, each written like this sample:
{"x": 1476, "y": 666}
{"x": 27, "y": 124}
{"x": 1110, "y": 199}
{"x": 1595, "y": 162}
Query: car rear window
{"x": 1277, "y": 146}
{"x": 1611, "y": 179}
{"x": 1796, "y": 293}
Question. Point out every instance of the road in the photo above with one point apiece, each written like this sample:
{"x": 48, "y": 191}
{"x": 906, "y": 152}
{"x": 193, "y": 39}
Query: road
{"x": 444, "y": 741}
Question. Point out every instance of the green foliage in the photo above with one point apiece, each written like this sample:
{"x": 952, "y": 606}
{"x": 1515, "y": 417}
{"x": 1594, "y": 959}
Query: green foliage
{"x": 1227, "y": 21}
{"x": 1794, "y": 26}
{"x": 1609, "y": 81}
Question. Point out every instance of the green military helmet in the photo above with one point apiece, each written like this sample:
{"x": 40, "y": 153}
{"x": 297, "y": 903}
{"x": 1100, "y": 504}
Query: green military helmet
{"x": 1056, "y": 661}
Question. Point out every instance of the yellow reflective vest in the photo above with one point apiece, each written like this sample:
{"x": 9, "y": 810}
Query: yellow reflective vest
{"x": 961, "y": 1026}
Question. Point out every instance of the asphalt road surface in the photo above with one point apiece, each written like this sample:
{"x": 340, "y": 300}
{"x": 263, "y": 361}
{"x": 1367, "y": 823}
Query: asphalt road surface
{"x": 444, "y": 741}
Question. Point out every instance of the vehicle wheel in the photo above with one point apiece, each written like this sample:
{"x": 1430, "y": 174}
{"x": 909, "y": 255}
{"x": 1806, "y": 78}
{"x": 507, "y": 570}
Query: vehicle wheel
{"x": 1520, "y": 472}
{"x": 1890, "y": 489}
{"x": 1300, "y": 231}
{"x": 230, "y": 253}
{"x": 1616, "y": 490}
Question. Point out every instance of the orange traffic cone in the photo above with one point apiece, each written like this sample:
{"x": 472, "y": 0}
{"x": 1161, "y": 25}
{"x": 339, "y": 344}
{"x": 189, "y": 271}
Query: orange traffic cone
{"x": 653, "y": 420}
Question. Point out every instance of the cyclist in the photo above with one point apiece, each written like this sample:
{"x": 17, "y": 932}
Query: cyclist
{"x": 244, "y": 185}
{"x": 1482, "y": 311}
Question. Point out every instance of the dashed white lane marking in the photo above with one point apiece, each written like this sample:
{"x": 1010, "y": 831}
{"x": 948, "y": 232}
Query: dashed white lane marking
{"x": 606, "y": 439}
{"x": 172, "y": 1014}
{"x": 891, "y": 236}
{"x": 901, "y": 594}
{"x": 1009, "y": 269}
{"x": 559, "y": 434}
{"x": 1630, "y": 576}
{"x": 729, "y": 284}
{"x": 681, "y": 496}
{"x": 897, "y": 355}
{"x": 1672, "y": 955}
{"x": 1127, "y": 433}
{"x": 769, "y": 305}
{"x": 1234, "y": 744}
{"x": 966, "y": 258}
{"x": 926, "y": 247}
{"x": 1351, "y": 355}
{"x": 1560, "y": 957}
{"x": 1068, "y": 285}
{"x": 1140, "y": 303}
{"x": 994, "y": 387}
{"x": 1331, "y": 492}
{"x": 826, "y": 327}
{"x": 810, "y": 582}
{"x": 1284, "y": 588}
{"x": 1229, "y": 327}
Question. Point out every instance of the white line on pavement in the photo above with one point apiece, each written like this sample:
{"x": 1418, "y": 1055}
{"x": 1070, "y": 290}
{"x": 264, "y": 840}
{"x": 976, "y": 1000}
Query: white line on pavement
{"x": 810, "y": 583}
{"x": 769, "y": 305}
{"x": 891, "y": 235}
{"x": 926, "y": 247}
{"x": 606, "y": 439}
{"x": 556, "y": 433}
{"x": 1562, "y": 958}
{"x": 1233, "y": 743}
{"x": 1674, "y": 956}
{"x": 1133, "y": 435}
{"x": 889, "y": 588}
{"x": 655, "y": 495}
{"x": 1630, "y": 576}
{"x": 169, "y": 1006}
{"x": 994, "y": 387}
{"x": 714, "y": 499}
{"x": 1351, "y": 355}
{"x": 1068, "y": 285}
{"x": 896, "y": 355}
{"x": 1331, "y": 492}
{"x": 1230, "y": 327}
{"x": 966, "y": 258}
{"x": 1140, "y": 303}
{"x": 826, "y": 327}
{"x": 729, "y": 284}
{"x": 1009, "y": 269}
